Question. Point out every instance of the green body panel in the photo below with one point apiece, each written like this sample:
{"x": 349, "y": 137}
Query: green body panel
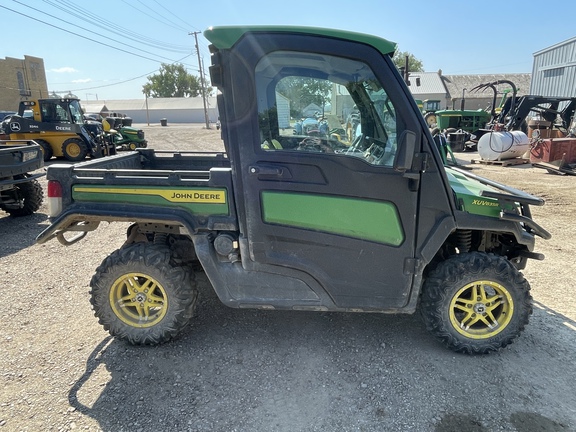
{"x": 352, "y": 217}
{"x": 467, "y": 120}
{"x": 198, "y": 201}
{"x": 468, "y": 194}
{"x": 226, "y": 36}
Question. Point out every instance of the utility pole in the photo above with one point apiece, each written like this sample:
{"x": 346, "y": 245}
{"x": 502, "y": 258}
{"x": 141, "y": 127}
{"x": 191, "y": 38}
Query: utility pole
{"x": 201, "y": 80}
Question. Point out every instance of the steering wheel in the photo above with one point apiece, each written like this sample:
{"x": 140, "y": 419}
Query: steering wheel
{"x": 314, "y": 144}
{"x": 354, "y": 148}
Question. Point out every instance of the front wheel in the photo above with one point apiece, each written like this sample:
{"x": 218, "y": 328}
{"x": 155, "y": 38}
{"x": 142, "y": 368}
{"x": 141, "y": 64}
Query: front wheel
{"x": 476, "y": 303}
{"x": 142, "y": 296}
{"x": 28, "y": 197}
{"x": 74, "y": 149}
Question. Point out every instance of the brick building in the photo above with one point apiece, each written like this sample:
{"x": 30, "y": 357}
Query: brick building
{"x": 21, "y": 80}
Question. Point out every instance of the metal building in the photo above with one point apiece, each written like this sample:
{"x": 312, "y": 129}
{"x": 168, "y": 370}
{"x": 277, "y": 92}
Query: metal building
{"x": 554, "y": 70}
{"x": 153, "y": 110}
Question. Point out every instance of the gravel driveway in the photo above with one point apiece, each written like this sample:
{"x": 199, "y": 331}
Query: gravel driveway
{"x": 246, "y": 370}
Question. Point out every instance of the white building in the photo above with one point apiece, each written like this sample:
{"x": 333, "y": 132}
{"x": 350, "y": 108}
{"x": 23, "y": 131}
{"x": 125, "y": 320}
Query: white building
{"x": 152, "y": 110}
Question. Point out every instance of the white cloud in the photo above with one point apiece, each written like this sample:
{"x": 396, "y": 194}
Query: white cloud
{"x": 65, "y": 69}
{"x": 83, "y": 80}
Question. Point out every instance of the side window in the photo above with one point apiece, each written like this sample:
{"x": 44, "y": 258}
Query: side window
{"x": 324, "y": 104}
{"x": 62, "y": 114}
{"x": 55, "y": 113}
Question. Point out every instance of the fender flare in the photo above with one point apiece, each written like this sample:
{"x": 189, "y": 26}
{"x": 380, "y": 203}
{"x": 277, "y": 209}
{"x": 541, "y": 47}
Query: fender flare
{"x": 81, "y": 220}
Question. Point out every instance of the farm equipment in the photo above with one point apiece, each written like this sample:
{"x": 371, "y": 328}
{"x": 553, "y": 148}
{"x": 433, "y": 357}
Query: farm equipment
{"x": 20, "y": 192}
{"x": 379, "y": 225}
{"x": 460, "y": 126}
{"x": 429, "y": 109}
{"x": 509, "y": 135}
{"x": 58, "y": 126}
{"x": 121, "y": 136}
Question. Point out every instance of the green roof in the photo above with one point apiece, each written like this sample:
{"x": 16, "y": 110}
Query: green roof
{"x": 226, "y": 36}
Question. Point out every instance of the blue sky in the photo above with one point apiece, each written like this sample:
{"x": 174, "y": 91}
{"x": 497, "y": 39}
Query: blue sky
{"x": 105, "y": 49}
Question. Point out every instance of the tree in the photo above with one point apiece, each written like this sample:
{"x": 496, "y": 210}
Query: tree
{"x": 304, "y": 91}
{"x": 414, "y": 65}
{"x": 172, "y": 80}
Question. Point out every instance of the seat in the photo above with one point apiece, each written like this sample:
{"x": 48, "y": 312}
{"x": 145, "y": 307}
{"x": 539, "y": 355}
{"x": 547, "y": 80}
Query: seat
{"x": 273, "y": 145}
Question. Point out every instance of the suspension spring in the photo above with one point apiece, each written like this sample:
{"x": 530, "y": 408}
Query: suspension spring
{"x": 464, "y": 240}
{"x": 160, "y": 238}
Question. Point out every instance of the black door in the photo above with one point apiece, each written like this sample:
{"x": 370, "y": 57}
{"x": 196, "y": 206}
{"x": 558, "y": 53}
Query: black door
{"x": 315, "y": 172}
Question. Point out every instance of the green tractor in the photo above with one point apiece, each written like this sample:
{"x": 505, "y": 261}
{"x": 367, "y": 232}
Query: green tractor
{"x": 459, "y": 125}
{"x": 429, "y": 107}
{"x": 123, "y": 136}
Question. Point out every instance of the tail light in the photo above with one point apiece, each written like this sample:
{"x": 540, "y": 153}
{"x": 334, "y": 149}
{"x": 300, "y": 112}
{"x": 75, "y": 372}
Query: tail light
{"x": 54, "y": 198}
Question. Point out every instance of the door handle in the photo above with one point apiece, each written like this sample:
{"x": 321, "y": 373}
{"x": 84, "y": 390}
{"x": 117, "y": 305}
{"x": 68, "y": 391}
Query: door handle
{"x": 266, "y": 171}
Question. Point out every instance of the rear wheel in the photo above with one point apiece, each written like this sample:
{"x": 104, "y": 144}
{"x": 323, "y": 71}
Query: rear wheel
{"x": 74, "y": 149}
{"x": 141, "y": 295}
{"x": 29, "y": 198}
{"x": 430, "y": 119}
{"x": 46, "y": 149}
{"x": 476, "y": 303}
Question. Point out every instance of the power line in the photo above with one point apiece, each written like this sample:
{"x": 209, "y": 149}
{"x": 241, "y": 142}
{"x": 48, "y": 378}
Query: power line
{"x": 79, "y": 35}
{"x": 147, "y": 14}
{"x": 126, "y": 80}
{"x": 93, "y": 19}
{"x": 170, "y": 12}
{"x": 171, "y": 23}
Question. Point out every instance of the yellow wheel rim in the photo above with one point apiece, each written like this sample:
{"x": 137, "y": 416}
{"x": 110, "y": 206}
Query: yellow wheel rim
{"x": 132, "y": 146}
{"x": 481, "y": 310}
{"x": 430, "y": 120}
{"x": 138, "y": 300}
{"x": 73, "y": 149}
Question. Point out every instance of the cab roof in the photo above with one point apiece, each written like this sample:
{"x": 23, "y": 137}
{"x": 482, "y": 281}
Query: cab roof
{"x": 224, "y": 37}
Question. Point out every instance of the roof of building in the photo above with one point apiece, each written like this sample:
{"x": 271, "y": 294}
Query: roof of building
{"x": 457, "y": 84}
{"x": 430, "y": 82}
{"x": 94, "y": 107}
{"x": 556, "y": 46}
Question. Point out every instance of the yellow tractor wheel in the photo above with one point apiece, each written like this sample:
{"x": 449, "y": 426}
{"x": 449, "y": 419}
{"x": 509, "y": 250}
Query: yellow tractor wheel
{"x": 74, "y": 149}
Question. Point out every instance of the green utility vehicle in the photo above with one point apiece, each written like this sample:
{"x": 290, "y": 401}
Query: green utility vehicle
{"x": 308, "y": 223}
{"x": 20, "y": 192}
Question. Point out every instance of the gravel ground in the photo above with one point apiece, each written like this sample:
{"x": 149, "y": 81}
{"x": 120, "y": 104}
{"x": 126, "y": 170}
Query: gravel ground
{"x": 245, "y": 370}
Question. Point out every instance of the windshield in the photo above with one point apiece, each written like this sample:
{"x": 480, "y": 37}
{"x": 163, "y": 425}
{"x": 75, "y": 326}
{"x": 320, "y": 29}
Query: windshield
{"x": 76, "y": 112}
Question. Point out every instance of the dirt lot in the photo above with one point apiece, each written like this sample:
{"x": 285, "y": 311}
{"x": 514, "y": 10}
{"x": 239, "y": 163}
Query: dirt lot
{"x": 244, "y": 370}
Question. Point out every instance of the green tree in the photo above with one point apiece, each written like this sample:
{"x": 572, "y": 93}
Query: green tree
{"x": 305, "y": 91}
{"x": 414, "y": 65}
{"x": 172, "y": 80}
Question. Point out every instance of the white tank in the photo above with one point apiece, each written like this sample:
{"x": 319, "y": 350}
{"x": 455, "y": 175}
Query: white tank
{"x": 496, "y": 146}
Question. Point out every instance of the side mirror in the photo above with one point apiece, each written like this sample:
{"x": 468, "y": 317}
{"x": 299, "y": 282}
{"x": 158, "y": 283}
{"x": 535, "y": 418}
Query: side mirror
{"x": 405, "y": 153}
